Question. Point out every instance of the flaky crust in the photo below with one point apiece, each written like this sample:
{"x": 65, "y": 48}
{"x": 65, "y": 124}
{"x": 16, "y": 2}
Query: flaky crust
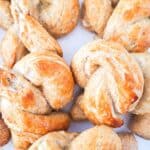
{"x": 54, "y": 141}
{"x": 5, "y": 14}
{"x": 140, "y": 125}
{"x": 128, "y": 141}
{"x": 58, "y": 17}
{"x": 130, "y": 25}
{"x": 99, "y": 137}
{"x": 96, "y": 14}
{"x": 51, "y": 73}
{"x": 144, "y": 104}
{"x": 116, "y": 78}
{"x": 11, "y": 48}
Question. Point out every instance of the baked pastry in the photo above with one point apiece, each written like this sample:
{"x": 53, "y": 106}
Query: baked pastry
{"x": 76, "y": 112}
{"x": 54, "y": 141}
{"x": 96, "y": 138}
{"x": 96, "y": 14}
{"x": 144, "y": 104}
{"x": 5, "y": 14}
{"x": 4, "y": 133}
{"x": 140, "y": 125}
{"x": 49, "y": 72}
{"x": 128, "y": 141}
{"x": 91, "y": 139}
{"x": 129, "y": 25}
{"x": 32, "y": 116}
{"x": 115, "y": 77}
{"x": 58, "y": 17}
{"x": 11, "y": 48}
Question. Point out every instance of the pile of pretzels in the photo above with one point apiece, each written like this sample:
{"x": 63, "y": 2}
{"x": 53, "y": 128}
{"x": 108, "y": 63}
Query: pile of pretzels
{"x": 36, "y": 83}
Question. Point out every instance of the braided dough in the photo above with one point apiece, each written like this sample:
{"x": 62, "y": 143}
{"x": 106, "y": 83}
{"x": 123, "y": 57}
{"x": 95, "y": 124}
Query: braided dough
{"x": 58, "y": 17}
{"x": 129, "y": 25}
{"x": 31, "y": 113}
{"x": 116, "y": 79}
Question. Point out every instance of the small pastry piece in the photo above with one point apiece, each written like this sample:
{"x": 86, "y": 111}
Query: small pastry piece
{"x": 11, "y": 48}
{"x": 140, "y": 125}
{"x": 4, "y": 133}
{"x": 129, "y": 25}
{"x": 35, "y": 37}
{"x": 96, "y": 14}
{"x": 76, "y": 112}
{"x": 6, "y": 19}
{"x": 99, "y": 137}
{"x": 115, "y": 77}
{"x": 144, "y": 104}
{"x": 54, "y": 141}
{"x": 51, "y": 73}
{"x": 128, "y": 141}
{"x": 58, "y": 17}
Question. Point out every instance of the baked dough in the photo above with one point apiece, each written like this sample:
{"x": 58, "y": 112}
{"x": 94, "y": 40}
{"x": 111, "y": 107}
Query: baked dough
{"x": 115, "y": 77}
{"x": 54, "y": 141}
{"x": 4, "y": 133}
{"x": 31, "y": 113}
{"x": 140, "y": 125}
{"x": 96, "y": 14}
{"x": 144, "y": 104}
{"x": 96, "y": 138}
{"x": 51, "y": 73}
{"x": 11, "y": 48}
{"x": 58, "y": 17}
{"x": 129, "y": 25}
{"x": 5, "y": 14}
{"x": 90, "y": 139}
{"x": 128, "y": 141}
{"x": 35, "y": 37}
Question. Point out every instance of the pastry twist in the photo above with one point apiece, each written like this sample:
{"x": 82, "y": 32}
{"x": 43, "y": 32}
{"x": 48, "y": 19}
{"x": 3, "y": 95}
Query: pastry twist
{"x": 29, "y": 101}
{"x": 45, "y": 83}
{"x": 115, "y": 77}
{"x": 129, "y": 25}
{"x": 59, "y": 17}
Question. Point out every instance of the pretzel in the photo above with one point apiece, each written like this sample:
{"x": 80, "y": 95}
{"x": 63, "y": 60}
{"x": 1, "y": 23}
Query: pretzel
{"x": 107, "y": 69}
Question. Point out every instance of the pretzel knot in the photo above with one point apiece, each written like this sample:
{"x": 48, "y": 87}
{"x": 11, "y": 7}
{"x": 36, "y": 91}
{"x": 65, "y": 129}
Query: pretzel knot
{"x": 112, "y": 80}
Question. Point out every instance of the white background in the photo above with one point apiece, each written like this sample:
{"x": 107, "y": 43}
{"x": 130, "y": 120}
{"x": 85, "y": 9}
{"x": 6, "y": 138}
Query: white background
{"x": 70, "y": 44}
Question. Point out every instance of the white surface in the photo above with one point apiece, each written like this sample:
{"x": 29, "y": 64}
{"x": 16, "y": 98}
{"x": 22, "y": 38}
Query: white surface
{"x": 70, "y": 44}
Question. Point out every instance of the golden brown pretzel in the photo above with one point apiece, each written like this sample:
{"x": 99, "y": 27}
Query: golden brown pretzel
{"x": 129, "y": 25}
{"x": 107, "y": 69}
{"x": 90, "y": 139}
{"x": 59, "y": 17}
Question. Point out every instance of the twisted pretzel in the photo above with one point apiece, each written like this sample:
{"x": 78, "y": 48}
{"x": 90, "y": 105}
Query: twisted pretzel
{"x": 112, "y": 80}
